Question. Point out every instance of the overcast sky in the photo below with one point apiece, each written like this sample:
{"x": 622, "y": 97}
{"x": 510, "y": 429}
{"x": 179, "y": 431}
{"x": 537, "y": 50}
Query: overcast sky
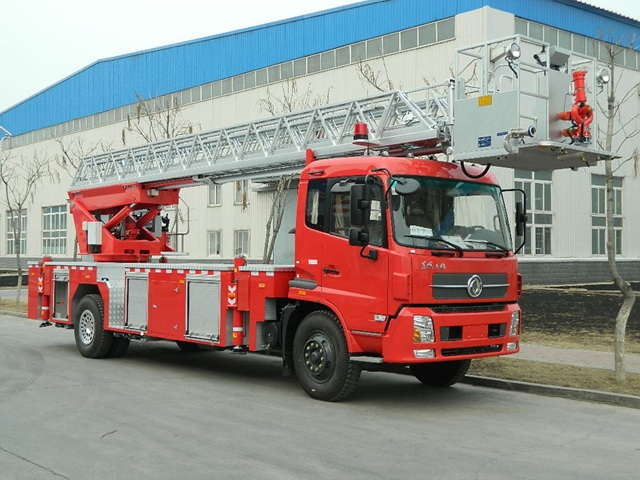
{"x": 44, "y": 41}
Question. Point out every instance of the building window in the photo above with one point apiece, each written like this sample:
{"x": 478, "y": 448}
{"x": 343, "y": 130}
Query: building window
{"x": 537, "y": 186}
{"x": 599, "y": 212}
{"x": 427, "y": 34}
{"x": 358, "y": 52}
{"x": 273, "y": 73}
{"x": 241, "y": 243}
{"x": 313, "y": 64}
{"x": 286, "y": 70}
{"x": 242, "y": 193}
{"x": 215, "y": 245}
{"x": 250, "y": 80}
{"x": 12, "y": 221}
{"x": 446, "y": 29}
{"x": 328, "y": 60}
{"x": 374, "y": 47}
{"x": 54, "y": 230}
{"x": 238, "y": 83}
{"x": 342, "y": 56}
{"x": 215, "y": 196}
{"x": 409, "y": 39}
{"x": 261, "y": 77}
{"x": 299, "y": 67}
{"x": 391, "y": 43}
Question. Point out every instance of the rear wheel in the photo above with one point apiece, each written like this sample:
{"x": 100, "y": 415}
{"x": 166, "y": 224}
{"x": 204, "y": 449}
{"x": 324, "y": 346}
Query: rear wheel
{"x": 441, "y": 374}
{"x": 321, "y": 358}
{"x": 88, "y": 325}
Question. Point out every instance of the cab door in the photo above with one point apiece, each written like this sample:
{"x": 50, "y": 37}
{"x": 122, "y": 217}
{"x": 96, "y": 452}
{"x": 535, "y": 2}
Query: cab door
{"x": 354, "y": 280}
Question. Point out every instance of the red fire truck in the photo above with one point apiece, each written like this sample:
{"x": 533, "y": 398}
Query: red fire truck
{"x": 399, "y": 261}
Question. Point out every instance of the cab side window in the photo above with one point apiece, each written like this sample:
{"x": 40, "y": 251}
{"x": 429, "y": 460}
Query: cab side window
{"x": 340, "y": 205}
{"x": 316, "y": 205}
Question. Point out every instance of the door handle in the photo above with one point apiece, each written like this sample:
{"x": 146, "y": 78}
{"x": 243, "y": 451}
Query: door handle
{"x": 331, "y": 271}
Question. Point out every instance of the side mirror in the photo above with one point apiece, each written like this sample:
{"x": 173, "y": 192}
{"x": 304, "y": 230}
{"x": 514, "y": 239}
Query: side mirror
{"x": 358, "y": 237}
{"x": 360, "y": 205}
{"x": 521, "y": 219}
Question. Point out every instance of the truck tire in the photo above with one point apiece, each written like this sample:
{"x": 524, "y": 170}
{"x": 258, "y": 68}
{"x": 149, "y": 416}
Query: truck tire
{"x": 441, "y": 374}
{"x": 88, "y": 324}
{"x": 321, "y": 358}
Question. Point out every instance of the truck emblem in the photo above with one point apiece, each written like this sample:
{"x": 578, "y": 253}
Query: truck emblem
{"x": 474, "y": 286}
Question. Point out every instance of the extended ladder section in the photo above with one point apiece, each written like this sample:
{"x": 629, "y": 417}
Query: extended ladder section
{"x": 404, "y": 122}
{"x": 518, "y": 103}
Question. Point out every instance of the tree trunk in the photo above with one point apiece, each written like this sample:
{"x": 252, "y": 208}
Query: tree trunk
{"x": 17, "y": 233}
{"x": 628, "y": 295}
{"x": 275, "y": 217}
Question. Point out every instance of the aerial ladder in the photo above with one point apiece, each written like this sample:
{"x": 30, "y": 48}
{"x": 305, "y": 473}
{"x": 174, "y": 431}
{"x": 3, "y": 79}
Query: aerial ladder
{"x": 506, "y": 107}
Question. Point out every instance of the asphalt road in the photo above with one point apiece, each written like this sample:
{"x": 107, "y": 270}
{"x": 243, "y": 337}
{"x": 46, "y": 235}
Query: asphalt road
{"x": 163, "y": 414}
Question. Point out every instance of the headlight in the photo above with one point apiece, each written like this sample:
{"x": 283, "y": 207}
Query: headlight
{"x": 423, "y": 329}
{"x": 514, "y": 327}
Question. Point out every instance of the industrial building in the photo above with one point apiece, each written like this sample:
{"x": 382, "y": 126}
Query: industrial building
{"x": 330, "y": 56}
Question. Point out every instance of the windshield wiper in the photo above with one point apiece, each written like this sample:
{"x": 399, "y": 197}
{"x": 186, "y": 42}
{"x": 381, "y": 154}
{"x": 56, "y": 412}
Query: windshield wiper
{"x": 439, "y": 239}
{"x": 487, "y": 242}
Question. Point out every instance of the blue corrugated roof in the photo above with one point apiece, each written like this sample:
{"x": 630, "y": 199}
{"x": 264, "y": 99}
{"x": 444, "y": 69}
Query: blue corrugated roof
{"x": 114, "y": 82}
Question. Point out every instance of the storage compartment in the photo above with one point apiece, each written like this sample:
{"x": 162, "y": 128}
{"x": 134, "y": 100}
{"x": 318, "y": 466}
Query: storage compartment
{"x": 203, "y": 307}
{"x": 60, "y": 295}
{"x": 137, "y": 295}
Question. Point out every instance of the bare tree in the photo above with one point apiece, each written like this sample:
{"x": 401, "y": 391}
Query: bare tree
{"x": 276, "y": 213}
{"x": 378, "y": 79}
{"x": 19, "y": 177}
{"x": 291, "y": 100}
{"x": 73, "y": 151}
{"x": 156, "y": 119}
{"x": 625, "y": 133}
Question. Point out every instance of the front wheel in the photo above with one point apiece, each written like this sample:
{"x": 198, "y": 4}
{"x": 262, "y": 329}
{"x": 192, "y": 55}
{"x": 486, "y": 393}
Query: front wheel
{"x": 441, "y": 374}
{"x": 321, "y": 358}
{"x": 88, "y": 325}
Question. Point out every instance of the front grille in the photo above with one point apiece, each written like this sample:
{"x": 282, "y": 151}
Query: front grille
{"x": 475, "y": 308}
{"x": 453, "y": 286}
{"x": 455, "y": 352}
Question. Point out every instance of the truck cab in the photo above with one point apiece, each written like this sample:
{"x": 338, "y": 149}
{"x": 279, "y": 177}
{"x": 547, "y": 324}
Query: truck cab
{"x": 413, "y": 258}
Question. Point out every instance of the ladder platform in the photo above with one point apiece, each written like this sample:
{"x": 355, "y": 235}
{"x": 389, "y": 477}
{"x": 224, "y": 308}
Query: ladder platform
{"x": 540, "y": 155}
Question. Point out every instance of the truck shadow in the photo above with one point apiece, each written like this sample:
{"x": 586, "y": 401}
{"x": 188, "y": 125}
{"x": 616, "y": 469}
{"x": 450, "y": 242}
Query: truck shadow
{"x": 265, "y": 372}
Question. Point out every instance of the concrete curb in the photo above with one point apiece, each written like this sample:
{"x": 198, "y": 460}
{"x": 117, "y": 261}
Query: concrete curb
{"x": 616, "y": 399}
{"x": 13, "y": 314}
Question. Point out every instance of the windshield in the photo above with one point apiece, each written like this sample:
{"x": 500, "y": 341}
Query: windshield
{"x": 450, "y": 214}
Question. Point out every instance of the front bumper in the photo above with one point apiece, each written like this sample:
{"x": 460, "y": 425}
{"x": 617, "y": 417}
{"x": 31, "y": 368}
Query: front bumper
{"x": 458, "y": 336}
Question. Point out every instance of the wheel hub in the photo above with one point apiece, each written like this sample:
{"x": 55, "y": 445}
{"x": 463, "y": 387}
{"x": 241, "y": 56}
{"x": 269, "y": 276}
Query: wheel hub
{"x": 319, "y": 357}
{"x": 87, "y": 327}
